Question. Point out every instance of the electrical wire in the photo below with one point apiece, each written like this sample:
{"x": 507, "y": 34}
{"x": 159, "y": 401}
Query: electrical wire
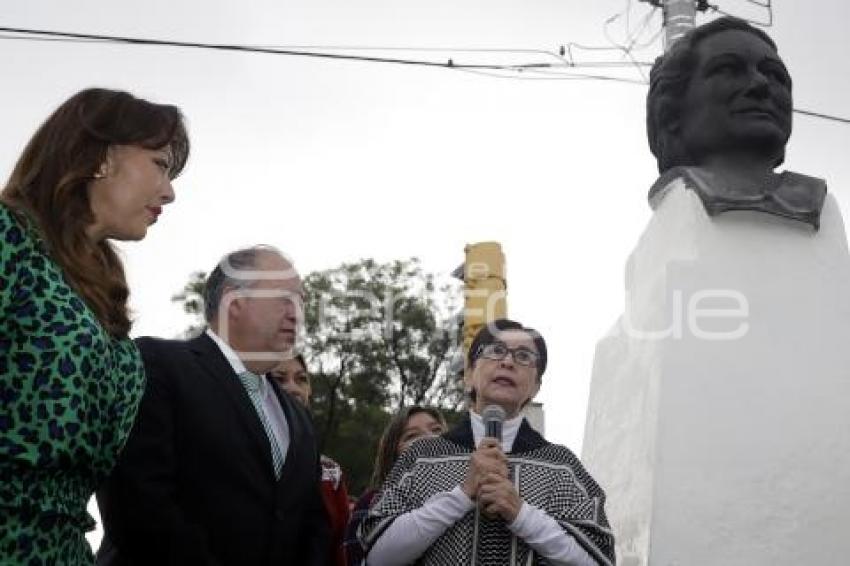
{"x": 553, "y": 76}
{"x": 631, "y": 36}
{"x": 541, "y": 71}
{"x": 823, "y": 116}
{"x": 251, "y": 49}
{"x": 565, "y": 61}
{"x": 632, "y": 40}
{"x": 651, "y": 40}
{"x": 633, "y": 44}
{"x": 47, "y": 39}
{"x": 627, "y": 48}
{"x": 321, "y": 50}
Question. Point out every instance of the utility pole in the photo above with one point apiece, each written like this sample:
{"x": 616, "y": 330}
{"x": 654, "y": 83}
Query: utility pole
{"x": 679, "y": 17}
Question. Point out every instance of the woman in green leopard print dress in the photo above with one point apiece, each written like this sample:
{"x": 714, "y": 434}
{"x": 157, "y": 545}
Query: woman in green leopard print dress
{"x": 99, "y": 168}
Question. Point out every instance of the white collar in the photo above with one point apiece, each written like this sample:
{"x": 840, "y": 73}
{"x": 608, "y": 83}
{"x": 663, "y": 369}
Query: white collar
{"x": 237, "y": 365}
{"x": 510, "y": 428}
{"x": 234, "y": 361}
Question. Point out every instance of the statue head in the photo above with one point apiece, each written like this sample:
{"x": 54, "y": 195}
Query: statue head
{"x": 720, "y": 91}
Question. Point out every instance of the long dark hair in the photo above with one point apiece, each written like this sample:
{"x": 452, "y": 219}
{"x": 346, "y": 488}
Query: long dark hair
{"x": 388, "y": 445}
{"x": 49, "y": 186}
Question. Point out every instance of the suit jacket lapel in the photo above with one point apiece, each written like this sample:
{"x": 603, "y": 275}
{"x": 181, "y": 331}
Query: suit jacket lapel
{"x": 217, "y": 366}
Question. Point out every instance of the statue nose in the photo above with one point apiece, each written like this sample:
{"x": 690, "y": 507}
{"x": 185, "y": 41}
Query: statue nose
{"x": 758, "y": 84}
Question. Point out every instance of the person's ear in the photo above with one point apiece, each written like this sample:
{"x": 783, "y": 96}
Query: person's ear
{"x": 102, "y": 171}
{"x": 235, "y": 304}
{"x": 106, "y": 167}
{"x": 235, "y": 307}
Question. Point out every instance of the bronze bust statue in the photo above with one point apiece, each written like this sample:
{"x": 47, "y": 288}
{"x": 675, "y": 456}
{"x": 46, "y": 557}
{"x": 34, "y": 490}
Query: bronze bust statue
{"x": 719, "y": 116}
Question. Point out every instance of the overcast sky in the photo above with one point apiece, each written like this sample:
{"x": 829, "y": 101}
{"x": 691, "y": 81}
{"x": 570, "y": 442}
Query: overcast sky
{"x": 334, "y": 161}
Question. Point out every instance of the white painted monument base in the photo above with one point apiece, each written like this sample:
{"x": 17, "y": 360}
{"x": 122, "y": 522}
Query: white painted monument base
{"x": 536, "y": 417}
{"x": 719, "y": 416}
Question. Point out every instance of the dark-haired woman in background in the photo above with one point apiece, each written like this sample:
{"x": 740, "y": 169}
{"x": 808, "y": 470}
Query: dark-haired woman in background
{"x": 464, "y": 498}
{"x": 293, "y": 378}
{"x": 99, "y": 169}
{"x": 406, "y": 426}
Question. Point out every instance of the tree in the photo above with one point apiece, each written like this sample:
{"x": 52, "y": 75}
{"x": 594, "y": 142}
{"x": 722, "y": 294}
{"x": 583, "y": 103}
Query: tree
{"x": 377, "y": 337}
{"x": 192, "y": 299}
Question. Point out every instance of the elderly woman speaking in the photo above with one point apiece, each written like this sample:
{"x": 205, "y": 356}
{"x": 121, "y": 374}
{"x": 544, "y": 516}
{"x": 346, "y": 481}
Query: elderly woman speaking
{"x": 467, "y": 498}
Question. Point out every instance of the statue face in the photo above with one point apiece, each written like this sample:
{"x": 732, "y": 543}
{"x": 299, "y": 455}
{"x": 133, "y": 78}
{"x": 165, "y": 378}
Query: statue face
{"x": 738, "y": 100}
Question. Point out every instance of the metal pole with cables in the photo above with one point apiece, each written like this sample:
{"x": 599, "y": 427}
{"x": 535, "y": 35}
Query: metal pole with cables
{"x": 679, "y": 18}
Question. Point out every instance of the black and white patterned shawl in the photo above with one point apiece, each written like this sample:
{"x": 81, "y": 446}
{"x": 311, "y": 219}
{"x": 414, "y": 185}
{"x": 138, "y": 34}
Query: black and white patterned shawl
{"x": 547, "y": 476}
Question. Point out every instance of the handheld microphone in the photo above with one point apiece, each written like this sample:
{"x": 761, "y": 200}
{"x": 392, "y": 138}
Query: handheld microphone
{"x": 493, "y": 417}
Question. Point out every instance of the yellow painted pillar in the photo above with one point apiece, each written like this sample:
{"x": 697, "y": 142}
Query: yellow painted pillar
{"x": 485, "y": 289}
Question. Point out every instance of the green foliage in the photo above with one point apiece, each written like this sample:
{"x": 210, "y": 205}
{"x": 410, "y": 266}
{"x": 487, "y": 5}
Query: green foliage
{"x": 192, "y": 299}
{"x": 378, "y": 336}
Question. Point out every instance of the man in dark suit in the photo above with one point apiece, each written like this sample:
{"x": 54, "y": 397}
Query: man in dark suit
{"x": 221, "y": 467}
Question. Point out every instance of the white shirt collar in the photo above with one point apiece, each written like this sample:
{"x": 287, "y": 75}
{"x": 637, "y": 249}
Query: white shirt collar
{"x": 237, "y": 365}
{"x": 510, "y": 428}
{"x": 234, "y": 361}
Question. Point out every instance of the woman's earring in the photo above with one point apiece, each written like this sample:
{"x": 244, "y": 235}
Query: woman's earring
{"x": 101, "y": 172}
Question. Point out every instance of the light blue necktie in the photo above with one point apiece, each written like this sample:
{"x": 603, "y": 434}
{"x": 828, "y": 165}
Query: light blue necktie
{"x": 251, "y": 383}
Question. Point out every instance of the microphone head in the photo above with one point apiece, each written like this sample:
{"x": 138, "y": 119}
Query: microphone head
{"x": 493, "y": 417}
{"x": 493, "y": 413}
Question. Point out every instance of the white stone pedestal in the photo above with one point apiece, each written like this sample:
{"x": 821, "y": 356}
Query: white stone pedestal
{"x": 536, "y": 418}
{"x": 719, "y": 417}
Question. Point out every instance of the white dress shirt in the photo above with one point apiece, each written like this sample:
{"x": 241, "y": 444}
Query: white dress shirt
{"x": 271, "y": 406}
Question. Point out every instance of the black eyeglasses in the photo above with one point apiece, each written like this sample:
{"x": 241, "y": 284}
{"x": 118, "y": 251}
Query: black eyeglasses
{"x": 498, "y": 351}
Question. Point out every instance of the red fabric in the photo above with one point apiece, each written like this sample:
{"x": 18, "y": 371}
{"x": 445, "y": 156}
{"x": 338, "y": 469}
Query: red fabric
{"x": 335, "y": 497}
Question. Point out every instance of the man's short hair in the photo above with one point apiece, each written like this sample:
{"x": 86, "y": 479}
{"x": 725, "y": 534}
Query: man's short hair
{"x": 225, "y": 276}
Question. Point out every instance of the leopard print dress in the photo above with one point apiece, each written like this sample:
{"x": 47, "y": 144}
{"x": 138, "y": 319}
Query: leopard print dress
{"x": 68, "y": 396}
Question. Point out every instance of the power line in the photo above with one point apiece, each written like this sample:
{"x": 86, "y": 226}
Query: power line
{"x": 320, "y": 51}
{"x": 633, "y": 44}
{"x": 652, "y": 39}
{"x": 551, "y": 75}
{"x": 634, "y": 37}
{"x": 548, "y": 71}
{"x": 631, "y": 37}
{"x": 824, "y": 116}
{"x": 251, "y": 49}
{"x": 47, "y": 39}
{"x": 273, "y": 49}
